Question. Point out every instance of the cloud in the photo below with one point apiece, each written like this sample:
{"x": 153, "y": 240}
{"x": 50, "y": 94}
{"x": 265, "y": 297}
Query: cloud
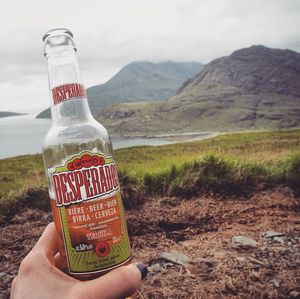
{"x": 110, "y": 34}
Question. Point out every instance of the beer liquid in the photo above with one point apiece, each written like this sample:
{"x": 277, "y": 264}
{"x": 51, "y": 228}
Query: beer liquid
{"x": 81, "y": 172}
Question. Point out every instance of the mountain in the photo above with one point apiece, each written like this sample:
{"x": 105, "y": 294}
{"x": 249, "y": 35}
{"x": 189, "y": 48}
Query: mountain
{"x": 139, "y": 81}
{"x": 6, "y": 114}
{"x": 253, "y": 88}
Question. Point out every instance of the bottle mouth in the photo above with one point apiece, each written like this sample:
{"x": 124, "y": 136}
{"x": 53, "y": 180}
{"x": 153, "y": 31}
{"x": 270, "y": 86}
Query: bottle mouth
{"x": 56, "y": 38}
{"x": 57, "y": 32}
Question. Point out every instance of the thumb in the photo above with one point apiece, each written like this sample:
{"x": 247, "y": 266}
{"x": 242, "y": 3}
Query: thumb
{"x": 119, "y": 283}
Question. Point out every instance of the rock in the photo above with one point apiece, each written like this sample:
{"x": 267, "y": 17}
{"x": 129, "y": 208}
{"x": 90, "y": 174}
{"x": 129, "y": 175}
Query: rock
{"x": 240, "y": 259}
{"x": 297, "y": 261}
{"x": 175, "y": 257}
{"x": 275, "y": 282}
{"x": 243, "y": 242}
{"x": 294, "y": 295}
{"x": 155, "y": 268}
{"x": 255, "y": 275}
{"x": 221, "y": 254}
{"x": 283, "y": 250}
{"x": 207, "y": 262}
{"x": 279, "y": 239}
{"x": 272, "y": 234}
{"x": 256, "y": 261}
{"x": 242, "y": 221}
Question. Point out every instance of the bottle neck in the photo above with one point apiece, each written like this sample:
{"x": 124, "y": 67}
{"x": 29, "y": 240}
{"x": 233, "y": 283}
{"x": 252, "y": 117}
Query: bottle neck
{"x": 68, "y": 96}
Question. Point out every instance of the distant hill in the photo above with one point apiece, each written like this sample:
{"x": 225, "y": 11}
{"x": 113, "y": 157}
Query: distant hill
{"x": 6, "y": 114}
{"x": 253, "y": 88}
{"x": 139, "y": 81}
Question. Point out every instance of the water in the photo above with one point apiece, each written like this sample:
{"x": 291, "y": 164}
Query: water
{"x": 22, "y": 135}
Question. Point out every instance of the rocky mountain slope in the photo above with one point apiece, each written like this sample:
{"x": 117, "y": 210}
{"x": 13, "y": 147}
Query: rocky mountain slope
{"x": 253, "y": 88}
{"x": 139, "y": 81}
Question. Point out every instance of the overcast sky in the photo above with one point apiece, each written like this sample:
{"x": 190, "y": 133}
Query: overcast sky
{"x": 112, "y": 33}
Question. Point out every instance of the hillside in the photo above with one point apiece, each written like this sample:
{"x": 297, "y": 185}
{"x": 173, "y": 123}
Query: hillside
{"x": 216, "y": 218}
{"x": 253, "y": 88}
{"x": 7, "y": 113}
{"x": 139, "y": 81}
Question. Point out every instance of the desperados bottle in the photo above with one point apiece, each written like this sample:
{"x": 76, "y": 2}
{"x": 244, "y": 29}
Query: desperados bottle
{"x": 82, "y": 175}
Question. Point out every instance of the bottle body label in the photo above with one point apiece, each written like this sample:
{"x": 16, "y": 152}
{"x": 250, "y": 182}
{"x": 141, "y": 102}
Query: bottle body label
{"x": 87, "y": 206}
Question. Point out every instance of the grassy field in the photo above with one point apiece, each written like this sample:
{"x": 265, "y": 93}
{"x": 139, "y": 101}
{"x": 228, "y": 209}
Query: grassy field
{"x": 270, "y": 148}
{"x": 229, "y": 162}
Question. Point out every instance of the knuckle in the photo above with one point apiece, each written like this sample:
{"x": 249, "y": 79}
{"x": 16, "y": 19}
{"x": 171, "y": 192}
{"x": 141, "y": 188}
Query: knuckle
{"x": 28, "y": 264}
{"x": 25, "y": 266}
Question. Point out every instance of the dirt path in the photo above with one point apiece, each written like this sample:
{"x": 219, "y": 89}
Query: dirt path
{"x": 202, "y": 229}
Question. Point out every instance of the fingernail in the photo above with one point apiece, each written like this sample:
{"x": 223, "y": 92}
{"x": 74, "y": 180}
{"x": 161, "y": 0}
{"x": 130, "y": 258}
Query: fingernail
{"x": 143, "y": 269}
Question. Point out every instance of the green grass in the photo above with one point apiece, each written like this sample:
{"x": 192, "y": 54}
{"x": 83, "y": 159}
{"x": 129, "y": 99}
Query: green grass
{"x": 19, "y": 174}
{"x": 230, "y": 164}
{"x": 253, "y": 147}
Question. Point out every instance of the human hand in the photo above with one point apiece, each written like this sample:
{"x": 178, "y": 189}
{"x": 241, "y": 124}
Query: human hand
{"x": 38, "y": 277}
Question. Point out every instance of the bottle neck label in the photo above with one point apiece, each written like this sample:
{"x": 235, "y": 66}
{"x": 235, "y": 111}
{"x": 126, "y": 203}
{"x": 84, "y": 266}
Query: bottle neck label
{"x": 66, "y": 92}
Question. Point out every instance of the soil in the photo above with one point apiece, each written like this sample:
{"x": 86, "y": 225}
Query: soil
{"x": 202, "y": 229}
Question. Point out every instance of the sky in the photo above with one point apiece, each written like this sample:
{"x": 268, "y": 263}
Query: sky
{"x": 111, "y": 34}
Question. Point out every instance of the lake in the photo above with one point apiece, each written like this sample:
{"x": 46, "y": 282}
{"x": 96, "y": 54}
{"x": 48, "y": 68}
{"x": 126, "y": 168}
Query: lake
{"x": 22, "y": 135}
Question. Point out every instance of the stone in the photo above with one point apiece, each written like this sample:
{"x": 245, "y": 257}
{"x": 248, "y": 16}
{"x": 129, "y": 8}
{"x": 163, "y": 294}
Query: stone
{"x": 221, "y": 254}
{"x": 255, "y": 275}
{"x": 297, "y": 261}
{"x": 275, "y": 282}
{"x": 243, "y": 242}
{"x": 256, "y": 261}
{"x": 279, "y": 239}
{"x": 175, "y": 257}
{"x": 282, "y": 250}
{"x": 210, "y": 263}
{"x": 294, "y": 295}
{"x": 155, "y": 268}
{"x": 272, "y": 234}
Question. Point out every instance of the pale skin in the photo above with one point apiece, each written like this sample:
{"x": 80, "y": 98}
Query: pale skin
{"x": 39, "y": 277}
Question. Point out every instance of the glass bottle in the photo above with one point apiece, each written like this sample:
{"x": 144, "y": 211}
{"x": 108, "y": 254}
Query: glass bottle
{"x": 82, "y": 177}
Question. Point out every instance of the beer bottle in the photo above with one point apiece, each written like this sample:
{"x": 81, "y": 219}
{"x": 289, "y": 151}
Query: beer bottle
{"x": 81, "y": 172}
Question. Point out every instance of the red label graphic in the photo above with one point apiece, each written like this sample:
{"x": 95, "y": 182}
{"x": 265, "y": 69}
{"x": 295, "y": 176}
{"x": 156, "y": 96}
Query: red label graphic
{"x": 93, "y": 182}
{"x": 67, "y": 92}
{"x": 102, "y": 249}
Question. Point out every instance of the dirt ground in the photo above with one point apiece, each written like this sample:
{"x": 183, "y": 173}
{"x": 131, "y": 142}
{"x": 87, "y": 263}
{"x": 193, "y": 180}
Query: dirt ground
{"x": 202, "y": 229}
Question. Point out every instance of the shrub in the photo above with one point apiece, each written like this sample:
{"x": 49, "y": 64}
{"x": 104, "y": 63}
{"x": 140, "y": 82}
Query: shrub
{"x": 132, "y": 194}
{"x": 293, "y": 173}
{"x": 158, "y": 183}
{"x": 219, "y": 176}
{"x": 36, "y": 198}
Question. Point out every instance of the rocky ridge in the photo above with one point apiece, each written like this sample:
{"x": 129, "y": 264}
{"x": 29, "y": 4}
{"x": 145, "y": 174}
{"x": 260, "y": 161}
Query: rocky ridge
{"x": 255, "y": 88}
